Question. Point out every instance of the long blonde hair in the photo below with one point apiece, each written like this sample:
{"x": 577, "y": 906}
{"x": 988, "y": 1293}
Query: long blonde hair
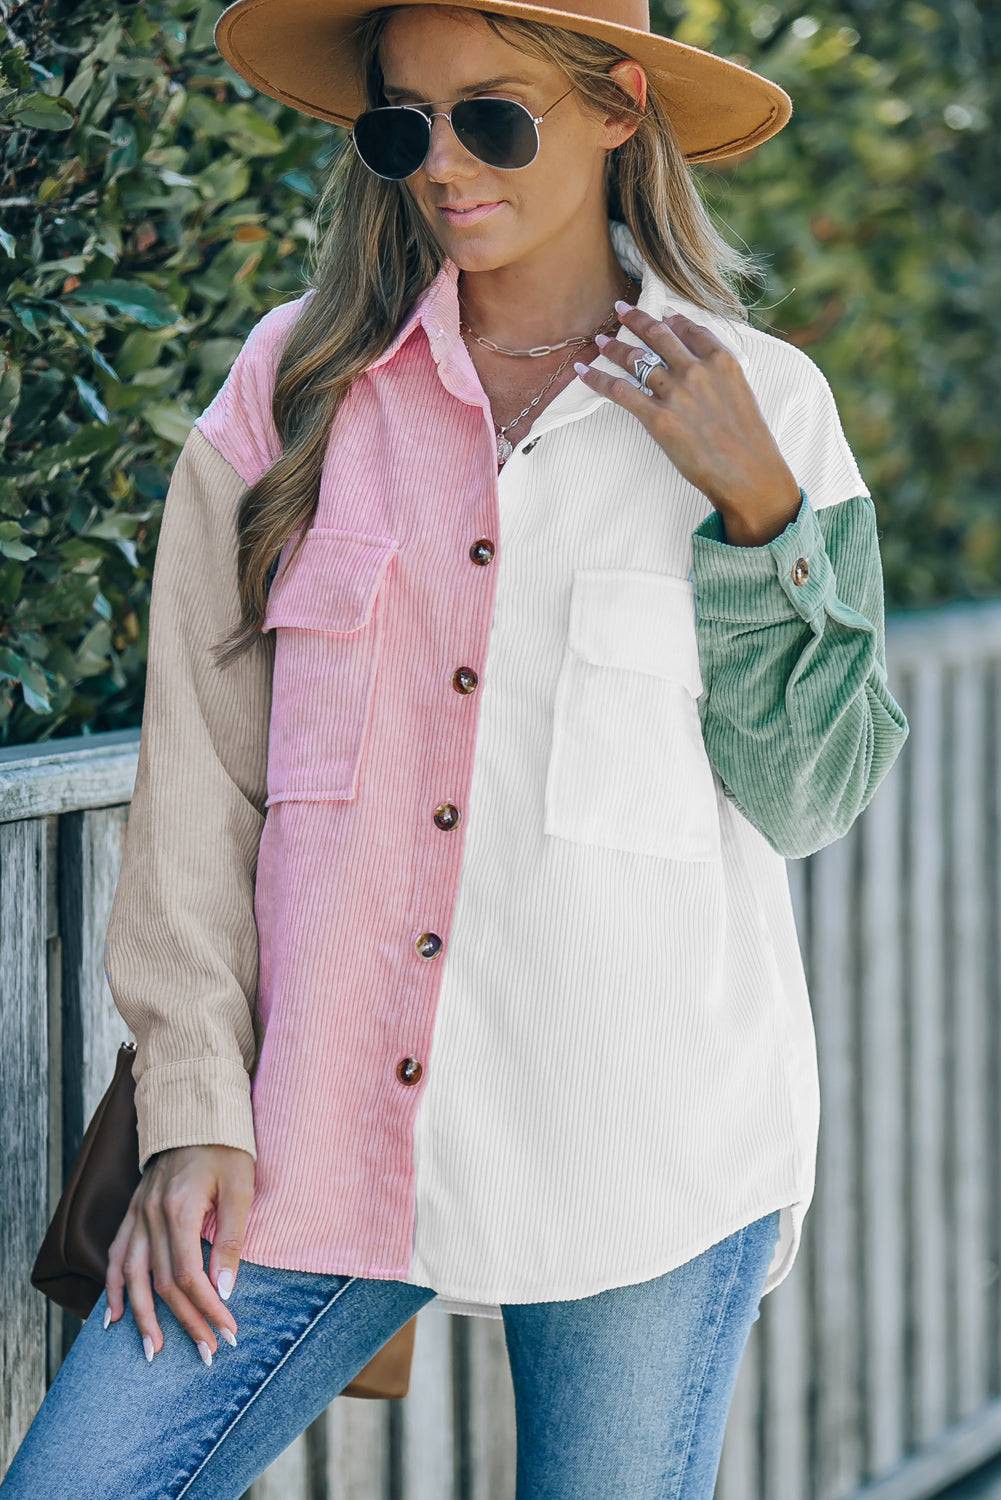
{"x": 376, "y": 255}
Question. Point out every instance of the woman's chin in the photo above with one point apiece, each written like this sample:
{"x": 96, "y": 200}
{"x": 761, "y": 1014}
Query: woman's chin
{"x": 484, "y": 246}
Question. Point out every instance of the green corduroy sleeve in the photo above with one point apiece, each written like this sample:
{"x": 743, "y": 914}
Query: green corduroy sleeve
{"x": 795, "y": 710}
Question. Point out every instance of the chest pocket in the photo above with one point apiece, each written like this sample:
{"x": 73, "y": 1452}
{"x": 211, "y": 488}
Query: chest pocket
{"x": 628, "y": 767}
{"x": 325, "y": 610}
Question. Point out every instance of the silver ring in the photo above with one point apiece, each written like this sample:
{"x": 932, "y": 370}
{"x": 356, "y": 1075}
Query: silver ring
{"x": 647, "y": 361}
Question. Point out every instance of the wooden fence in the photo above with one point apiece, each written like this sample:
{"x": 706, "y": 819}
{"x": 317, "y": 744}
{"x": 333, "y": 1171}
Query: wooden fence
{"x": 875, "y": 1370}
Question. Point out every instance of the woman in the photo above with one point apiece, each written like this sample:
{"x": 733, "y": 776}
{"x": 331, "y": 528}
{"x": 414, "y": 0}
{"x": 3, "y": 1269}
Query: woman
{"x": 509, "y": 550}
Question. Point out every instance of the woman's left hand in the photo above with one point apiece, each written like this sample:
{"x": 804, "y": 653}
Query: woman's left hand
{"x": 705, "y": 416}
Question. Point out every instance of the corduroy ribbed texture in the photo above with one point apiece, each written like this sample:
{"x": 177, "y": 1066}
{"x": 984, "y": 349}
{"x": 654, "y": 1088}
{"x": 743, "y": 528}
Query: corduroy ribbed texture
{"x": 617, "y": 1054}
{"x": 181, "y": 949}
{"x": 802, "y": 775}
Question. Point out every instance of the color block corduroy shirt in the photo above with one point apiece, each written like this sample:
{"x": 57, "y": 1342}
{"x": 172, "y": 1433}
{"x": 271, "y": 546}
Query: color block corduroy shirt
{"x": 460, "y": 902}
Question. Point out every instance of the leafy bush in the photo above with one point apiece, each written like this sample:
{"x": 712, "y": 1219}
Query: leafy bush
{"x": 153, "y": 207}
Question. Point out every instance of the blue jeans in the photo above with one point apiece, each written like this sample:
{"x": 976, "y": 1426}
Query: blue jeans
{"x": 623, "y": 1393}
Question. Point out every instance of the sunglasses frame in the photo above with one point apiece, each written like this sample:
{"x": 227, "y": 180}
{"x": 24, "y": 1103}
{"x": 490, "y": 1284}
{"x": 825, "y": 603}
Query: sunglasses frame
{"x": 428, "y": 113}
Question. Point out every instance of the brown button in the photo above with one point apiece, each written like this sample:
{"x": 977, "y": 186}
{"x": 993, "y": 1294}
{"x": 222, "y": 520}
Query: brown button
{"x": 409, "y": 1070}
{"x": 447, "y": 816}
{"x": 428, "y": 945}
{"x": 801, "y": 571}
{"x": 482, "y": 551}
{"x": 464, "y": 680}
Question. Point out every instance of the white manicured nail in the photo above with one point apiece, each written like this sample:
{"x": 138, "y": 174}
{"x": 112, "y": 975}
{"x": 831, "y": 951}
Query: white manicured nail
{"x": 229, "y": 1337}
{"x": 601, "y": 339}
{"x": 623, "y": 307}
{"x": 581, "y": 369}
{"x": 107, "y": 1316}
{"x": 148, "y": 1346}
{"x": 226, "y": 1279}
{"x": 205, "y": 1352}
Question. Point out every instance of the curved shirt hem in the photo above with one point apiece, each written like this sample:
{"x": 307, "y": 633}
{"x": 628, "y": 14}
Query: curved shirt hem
{"x": 791, "y": 1216}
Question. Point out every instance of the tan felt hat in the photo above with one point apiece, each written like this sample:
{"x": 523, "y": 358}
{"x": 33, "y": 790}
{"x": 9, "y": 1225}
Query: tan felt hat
{"x": 299, "y": 51}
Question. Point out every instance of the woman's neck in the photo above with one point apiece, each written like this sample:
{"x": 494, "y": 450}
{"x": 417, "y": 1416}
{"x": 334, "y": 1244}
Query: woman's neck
{"x": 544, "y": 297}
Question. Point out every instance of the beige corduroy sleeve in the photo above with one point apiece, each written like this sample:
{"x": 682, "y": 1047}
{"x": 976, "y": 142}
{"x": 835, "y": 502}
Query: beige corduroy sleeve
{"x": 181, "y": 953}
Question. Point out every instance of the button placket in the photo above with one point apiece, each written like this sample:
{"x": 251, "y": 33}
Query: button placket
{"x": 449, "y": 767}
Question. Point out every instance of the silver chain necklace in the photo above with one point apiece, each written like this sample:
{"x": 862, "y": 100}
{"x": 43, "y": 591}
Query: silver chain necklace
{"x": 579, "y": 341}
{"x": 505, "y": 447}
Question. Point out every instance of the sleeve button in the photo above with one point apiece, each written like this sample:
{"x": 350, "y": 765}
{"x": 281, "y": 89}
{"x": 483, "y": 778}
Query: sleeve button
{"x": 801, "y": 571}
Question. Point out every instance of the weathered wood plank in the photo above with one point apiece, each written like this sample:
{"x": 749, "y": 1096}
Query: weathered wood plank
{"x": 883, "y": 1153}
{"x": 427, "y": 1436}
{"x": 24, "y": 1118}
{"x": 54, "y": 1083}
{"x": 493, "y": 1445}
{"x": 929, "y": 1220}
{"x": 970, "y": 1031}
{"x": 90, "y": 852}
{"x": 947, "y": 634}
{"x": 359, "y": 1449}
{"x": 93, "y": 770}
{"x": 992, "y": 898}
{"x": 838, "y": 1444}
{"x": 785, "y": 1333}
{"x": 961, "y": 1450}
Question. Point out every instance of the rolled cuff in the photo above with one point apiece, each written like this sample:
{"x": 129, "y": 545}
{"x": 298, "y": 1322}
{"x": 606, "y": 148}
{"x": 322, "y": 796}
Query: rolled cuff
{"x": 790, "y": 575}
{"x": 203, "y": 1101}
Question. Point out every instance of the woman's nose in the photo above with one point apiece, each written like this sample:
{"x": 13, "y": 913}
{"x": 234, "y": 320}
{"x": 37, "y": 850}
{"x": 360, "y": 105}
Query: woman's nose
{"x": 446, "y": 158}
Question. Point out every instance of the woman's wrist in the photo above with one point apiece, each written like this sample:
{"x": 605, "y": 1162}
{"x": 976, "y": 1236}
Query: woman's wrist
{"x": 758, "y": 525}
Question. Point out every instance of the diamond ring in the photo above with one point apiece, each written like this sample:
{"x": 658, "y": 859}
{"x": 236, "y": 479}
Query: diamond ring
{"x": 647, "y": 361}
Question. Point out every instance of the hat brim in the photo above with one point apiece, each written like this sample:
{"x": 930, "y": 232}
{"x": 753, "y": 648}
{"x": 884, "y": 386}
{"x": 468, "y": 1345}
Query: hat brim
{"x": 299, "y": 52}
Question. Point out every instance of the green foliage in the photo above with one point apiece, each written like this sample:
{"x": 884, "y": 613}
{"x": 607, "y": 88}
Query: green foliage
{"x": 877, "y": 212}
{"x": 152, "y": 207}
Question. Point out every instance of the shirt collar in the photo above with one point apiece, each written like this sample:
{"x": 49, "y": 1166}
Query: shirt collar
{"x": 437, "y": 311}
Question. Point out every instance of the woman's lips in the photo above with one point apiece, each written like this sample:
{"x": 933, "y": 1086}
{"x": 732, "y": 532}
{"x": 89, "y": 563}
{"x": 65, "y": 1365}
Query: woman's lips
{"x": 471, "y": 215}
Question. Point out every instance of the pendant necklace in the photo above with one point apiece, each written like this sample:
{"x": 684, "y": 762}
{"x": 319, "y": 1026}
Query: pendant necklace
{"x": 577, "y": 342}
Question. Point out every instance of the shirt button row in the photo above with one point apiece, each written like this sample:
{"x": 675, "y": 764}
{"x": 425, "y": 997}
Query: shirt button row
{"x": 482, "y": 551}
{"x": 409, "y": 1070}
{"x": 800, "y": 571}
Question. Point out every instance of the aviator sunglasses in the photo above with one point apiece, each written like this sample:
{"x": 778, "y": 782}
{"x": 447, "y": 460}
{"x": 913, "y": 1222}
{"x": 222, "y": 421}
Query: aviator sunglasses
{"x": 394, "y": 140}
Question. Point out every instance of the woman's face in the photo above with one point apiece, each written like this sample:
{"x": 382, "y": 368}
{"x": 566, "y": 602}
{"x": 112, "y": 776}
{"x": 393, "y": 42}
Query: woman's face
{"x": 484, "y": 217}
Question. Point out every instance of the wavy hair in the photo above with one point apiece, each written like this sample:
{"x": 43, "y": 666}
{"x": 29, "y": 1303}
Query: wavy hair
{"x": 375, "y": 255}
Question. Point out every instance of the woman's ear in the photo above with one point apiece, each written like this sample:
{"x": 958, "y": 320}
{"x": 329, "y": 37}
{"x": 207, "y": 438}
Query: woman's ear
{"x": 631, "y": 78}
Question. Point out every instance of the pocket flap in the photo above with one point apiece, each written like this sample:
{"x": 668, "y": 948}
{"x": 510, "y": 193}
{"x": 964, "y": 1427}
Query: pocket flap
{"x": 643, "y": 622}
{"x": 331, "y": 583}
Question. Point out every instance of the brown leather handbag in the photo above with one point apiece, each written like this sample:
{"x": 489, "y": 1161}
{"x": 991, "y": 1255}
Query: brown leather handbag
{"x": 72, "y": 1263}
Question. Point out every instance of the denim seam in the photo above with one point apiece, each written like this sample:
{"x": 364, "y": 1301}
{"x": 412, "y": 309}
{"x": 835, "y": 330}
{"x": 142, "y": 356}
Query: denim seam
{"x": 291, "y": 1350}
{"x": 693, "y": 1423}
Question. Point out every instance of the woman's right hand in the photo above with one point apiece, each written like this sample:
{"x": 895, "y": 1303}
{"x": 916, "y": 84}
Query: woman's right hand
{"x": 161, "y": 1233}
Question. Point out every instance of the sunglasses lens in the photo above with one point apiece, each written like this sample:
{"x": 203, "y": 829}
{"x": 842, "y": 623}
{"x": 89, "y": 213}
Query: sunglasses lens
{"x": 498, "y": 132}
{"x": 392, "y": 142}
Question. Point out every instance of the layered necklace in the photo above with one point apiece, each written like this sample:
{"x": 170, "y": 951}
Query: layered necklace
{"x": 573, "y": 344}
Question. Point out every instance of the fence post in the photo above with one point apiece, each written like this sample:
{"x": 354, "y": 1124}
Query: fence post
{"x": 24, "y": 1100}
